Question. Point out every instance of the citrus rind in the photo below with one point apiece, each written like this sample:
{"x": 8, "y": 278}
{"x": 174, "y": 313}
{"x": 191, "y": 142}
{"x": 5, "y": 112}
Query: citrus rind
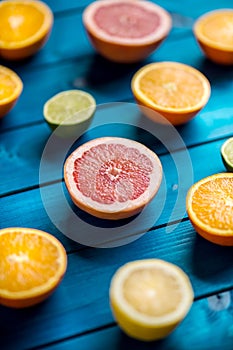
{"x": 141, "y": 326}
{"x": 216, "y": 50}
{"x": 82, "y": 115}
{"x": 116, "y": 210}
{"x": 226, "y": 158}
{"x": 142, "y": 98}
{"x": 162, "y": 31}
{"x": 7, "y": 103}
{"x": 213, "y": 234}
{"x": 126, "y": 50}
{"x": 37, "y": 294}
{"x": 16, "y": 50}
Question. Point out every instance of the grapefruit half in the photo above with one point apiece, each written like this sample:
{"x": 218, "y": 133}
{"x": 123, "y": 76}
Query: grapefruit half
{"x": 112, "y": 178}
{"x": 126, "y": 31}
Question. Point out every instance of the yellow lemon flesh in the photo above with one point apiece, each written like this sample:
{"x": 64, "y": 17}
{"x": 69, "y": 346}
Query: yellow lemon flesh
{"x": 149, "y": 298}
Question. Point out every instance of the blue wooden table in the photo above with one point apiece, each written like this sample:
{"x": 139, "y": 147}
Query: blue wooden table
{"x": 77, "y": 315}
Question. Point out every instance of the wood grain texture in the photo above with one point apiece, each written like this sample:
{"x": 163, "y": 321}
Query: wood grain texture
{"x": 195, "y": 332}
{"x": 81, "y": 302}
{"x": 77, "y": 315}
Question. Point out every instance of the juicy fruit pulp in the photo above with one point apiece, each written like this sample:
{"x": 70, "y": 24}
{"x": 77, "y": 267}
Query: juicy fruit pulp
{"x": 214, "y": 33}
{"x": 123, "y": 174}
{"x": 126, "y": 30}
{"x": 172, "y": 90}
{"x": 32, "y": 264}
{"x": 210, "y": 206}
{"x": 112, "y": 177}
{"x": 149, "y": 298}
{"x": 164, "y": 86}
{"x": 219, "y": 29}
{"x": 24, "y": 27}
{"x": 11, "y": 87}
{"x": 19, "y": 22}
{"x": 71, "y": 110}
{"x": 69, "y": 107}
{"x": 123, "y": 20}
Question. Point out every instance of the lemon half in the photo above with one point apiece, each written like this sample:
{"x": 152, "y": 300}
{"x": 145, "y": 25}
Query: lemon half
{"x": 149, "y": 298}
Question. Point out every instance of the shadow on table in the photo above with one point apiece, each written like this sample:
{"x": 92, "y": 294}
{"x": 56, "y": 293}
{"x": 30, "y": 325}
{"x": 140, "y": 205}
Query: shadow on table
{"x": 211, "y": 260}
{"x": 102, "y": 71}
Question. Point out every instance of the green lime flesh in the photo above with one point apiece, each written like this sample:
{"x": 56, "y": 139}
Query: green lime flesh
{"x": 70, "y": 112}
{"x": 227, "y": 154}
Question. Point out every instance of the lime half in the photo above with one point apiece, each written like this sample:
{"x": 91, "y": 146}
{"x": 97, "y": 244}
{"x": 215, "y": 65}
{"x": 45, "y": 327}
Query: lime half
{"x": 70, "y": 112}
{"x": 227, "y": 154}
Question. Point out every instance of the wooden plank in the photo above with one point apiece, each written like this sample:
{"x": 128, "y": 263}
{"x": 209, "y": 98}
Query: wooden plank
{"x": 108, "y": 82}
{"x": 183, "y": 7}
{"x": 208, "y": 326}
{"x": 84, "y": 290}
{"x": 21, "y": 154}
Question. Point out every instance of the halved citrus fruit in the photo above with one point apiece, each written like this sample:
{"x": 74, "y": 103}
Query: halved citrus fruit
{"x": 170, "y": 91}
{"x": 210, "y": 208}
{"x": 214, "y": 33}
{"x": 25, "y": 26}
{"x": 149, "y": 298}
{"x": 126, "y": 31}
{"x": 227, "y": 154}
{"x": 71, "y": 111}
{"x": 32, "y": 265}
{"x": 11, "y": 87}
{"x": 112, "y": 177}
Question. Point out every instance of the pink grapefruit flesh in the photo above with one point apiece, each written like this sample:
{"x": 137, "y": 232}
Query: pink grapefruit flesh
{"x": 126, "y": 30}
{"x": 112, "y": 178}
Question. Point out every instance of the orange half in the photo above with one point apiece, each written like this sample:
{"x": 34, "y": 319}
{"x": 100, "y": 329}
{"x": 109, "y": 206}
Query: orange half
{"x": 214, "y": 33}
{"x": 210, "y": 208}
{"x": 25, "y": 26}
{"x": 170, "y": 91}
{"x": 32, "y": 265}
{"x": 11, "y": 87}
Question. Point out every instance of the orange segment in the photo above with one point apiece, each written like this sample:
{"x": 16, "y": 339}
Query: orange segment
{"x": 170, "y": 89}
{"x": 24, "y": 27}
{"x": 32, "y": 264}
{"x": 19, "y": 22}
{"x": 214, "y": 32}
{"x": 210, "y": 207}
{"x": 11, "y": 87}
{"x": 219, "y": 29}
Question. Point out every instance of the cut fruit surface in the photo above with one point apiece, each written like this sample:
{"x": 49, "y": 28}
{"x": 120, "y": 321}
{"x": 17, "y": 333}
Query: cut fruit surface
{"x": 170, "y": 91}
{"x": 214, "y": 33}
{"x": 227, "y": 154}
{"x": 149, "y": 298}
{"x": 210, "y": 208}
{"x": 112, "y": 178}
{"x": 11, "y": 87}
{"x": 24, "y": 27}
{"x": 71, "y": 110}
{"x": 32, "y": 265}
{"x": 126, "y": 30}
